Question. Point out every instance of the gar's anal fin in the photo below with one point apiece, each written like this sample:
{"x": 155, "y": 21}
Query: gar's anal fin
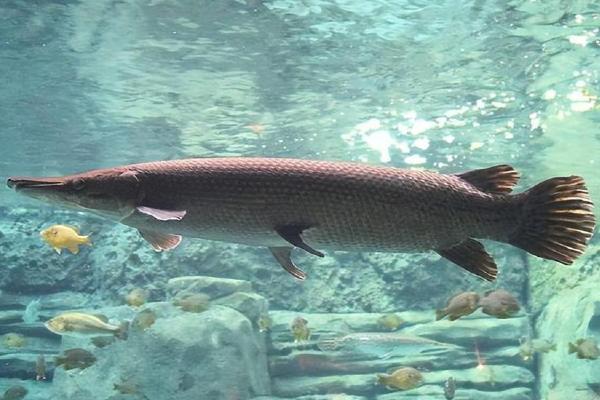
{"x": 292, "y": 234}
{"x": 282, "y": 255}
{"x": 161, "y": 241}
{"x": 471, "y": 255}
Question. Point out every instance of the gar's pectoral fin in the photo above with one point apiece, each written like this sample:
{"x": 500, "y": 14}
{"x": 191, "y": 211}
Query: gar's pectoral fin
{"x": 161, "y": 241}
{"x": 162, "y": 215}
{"x": 292, "y": 234}
{"x": 471, "y": 255}
{"x": 282, "y": 255}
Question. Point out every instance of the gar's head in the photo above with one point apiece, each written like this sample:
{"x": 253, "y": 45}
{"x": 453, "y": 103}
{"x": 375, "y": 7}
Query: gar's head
{"x": 56, "y": 325}
{"x": 110, "y": 192}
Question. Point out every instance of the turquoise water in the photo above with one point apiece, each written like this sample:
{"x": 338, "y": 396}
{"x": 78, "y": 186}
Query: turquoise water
{"x": 441, "y": 85}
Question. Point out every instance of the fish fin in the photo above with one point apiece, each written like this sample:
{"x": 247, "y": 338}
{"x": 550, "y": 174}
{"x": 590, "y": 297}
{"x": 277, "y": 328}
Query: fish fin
{"x": 74, "y": 248}
{"x": 292, "y": 234}
{"x": 439, "y": 314}
{"x": 453, "y": 317}
{"x": 101, "y": 317}
{"x": 500, "y": 179}
{"x": 558, "y": 220}
{"x": 123, "y": 331}
{"x": 161, "y": 241}
{"x": 553, "y": 347}
{"x": 282, "y": 255}
{"x": 471, "y": 255}
{"x": 57, "y": 250}
{"x": 162, "y": 215}
{"x": 572, "y": 348}
{"x": 86, "y": 240}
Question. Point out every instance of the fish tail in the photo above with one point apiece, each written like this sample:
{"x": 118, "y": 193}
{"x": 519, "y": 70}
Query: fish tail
{"x": 572, "y": 348}
{"x": 86, "y": 240}
{"x": 123, "y": 331}
{"x": 381, "y": 379}
{"x": 558, "y": 220}
{"x": 553, "y": 347}
{"x": 439, "y": 314}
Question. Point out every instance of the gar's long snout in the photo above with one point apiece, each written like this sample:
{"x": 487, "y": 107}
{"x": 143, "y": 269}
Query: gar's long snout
{"x": 18, "y": 183}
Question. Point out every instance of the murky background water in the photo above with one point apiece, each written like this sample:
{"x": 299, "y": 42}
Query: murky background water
{"x": 442, "y": 85}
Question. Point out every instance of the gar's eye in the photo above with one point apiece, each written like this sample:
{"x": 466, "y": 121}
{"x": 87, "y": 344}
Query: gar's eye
{"x": 78, "y": 184}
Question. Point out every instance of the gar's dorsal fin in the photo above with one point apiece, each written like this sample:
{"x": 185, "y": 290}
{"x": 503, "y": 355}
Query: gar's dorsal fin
{"x": 161, "y": 241}
{"x": 500, "y": 179}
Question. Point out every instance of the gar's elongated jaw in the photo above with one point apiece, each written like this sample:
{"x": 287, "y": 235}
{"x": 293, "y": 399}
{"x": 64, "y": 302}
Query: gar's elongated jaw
{"x": 100, "y": 191}
{"x": 19, "y": 183}
{"x": 47, "y": 189}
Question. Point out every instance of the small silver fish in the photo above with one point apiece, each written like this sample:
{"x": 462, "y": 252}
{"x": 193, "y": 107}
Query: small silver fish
{"x": 84, "y": 325}
{"x": 449, "y": 388}
{"x": 40, "y": 368}
{"x": 383, "y": 345}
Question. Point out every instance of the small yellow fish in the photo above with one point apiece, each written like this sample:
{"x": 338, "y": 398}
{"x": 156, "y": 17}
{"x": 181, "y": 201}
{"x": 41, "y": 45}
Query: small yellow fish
{"x": 459, "y": 306}
{"x": 585, "y": 349}
{"x": 300, "y": 330}
{"x": 64, "y": 237}
{"x": 264, "y": 323}
{"x": 40, "y": 368}
{"x": 75, "y": 359}
{"x": 401, "y": 379}
{"x": 84, "y": 325}
{"x": 144, "y": 320}
{"x": 195, "y": 303}
{"x": 137, "y": 297}
{"x": 14, "y": 340}
{"x": 391, "y": 321}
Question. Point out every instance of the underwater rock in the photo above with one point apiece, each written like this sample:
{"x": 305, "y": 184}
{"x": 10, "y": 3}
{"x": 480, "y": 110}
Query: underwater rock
{"x": 436, "y": 392}
{"x": 465, "y": 331}
{"x": 330, "y": 396}
{"x": 217, "y": 348}
{"x": 546, "y": 281}
{"x": 317, "y": 363}
{"x": 211, "y": 286}
{"x": 570, "y": 315}
{"x": 496, "y": 377}
{"x": 419, "y": 323}
{"x": 252, "y": 305}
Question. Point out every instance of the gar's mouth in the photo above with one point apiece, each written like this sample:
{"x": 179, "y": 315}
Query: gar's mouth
{"x": 19, "y": 183}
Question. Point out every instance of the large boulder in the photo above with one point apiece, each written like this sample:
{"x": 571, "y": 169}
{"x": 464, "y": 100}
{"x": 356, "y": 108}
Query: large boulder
{"x": 215, "y": 354}
{"x": 570, "y": 315}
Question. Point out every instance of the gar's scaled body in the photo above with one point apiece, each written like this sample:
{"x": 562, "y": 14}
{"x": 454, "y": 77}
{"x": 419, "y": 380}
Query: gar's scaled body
{"x": 319, "y": 205}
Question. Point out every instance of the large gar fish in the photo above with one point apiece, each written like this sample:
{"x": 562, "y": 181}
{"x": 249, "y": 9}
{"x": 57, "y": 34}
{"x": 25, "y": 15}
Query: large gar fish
{"x": 316, "y": 205}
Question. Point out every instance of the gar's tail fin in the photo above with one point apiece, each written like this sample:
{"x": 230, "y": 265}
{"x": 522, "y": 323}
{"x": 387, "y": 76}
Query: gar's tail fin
{"x": 557, "y": 220}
